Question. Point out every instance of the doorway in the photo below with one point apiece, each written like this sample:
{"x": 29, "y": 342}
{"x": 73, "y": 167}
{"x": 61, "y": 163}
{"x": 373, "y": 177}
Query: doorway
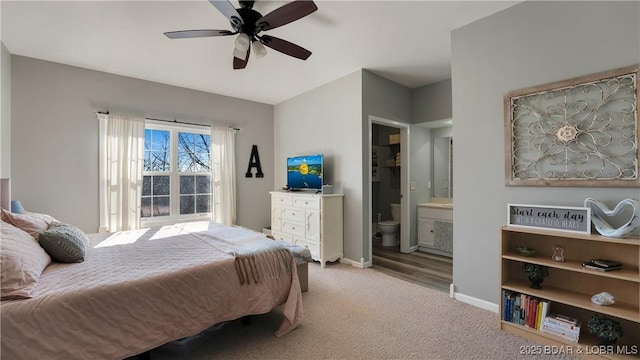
{"x": 392, "y": 141}
{"x": 404, "y": 261}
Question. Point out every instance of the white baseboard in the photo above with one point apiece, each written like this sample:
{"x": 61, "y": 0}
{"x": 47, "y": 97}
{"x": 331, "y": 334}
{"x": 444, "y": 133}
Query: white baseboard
{"x": 483, "y": 304}
{"x": 357, "y": 264}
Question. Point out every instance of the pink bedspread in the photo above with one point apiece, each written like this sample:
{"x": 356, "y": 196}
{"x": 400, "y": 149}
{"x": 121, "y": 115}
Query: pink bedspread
{"x": 137, "y": 290}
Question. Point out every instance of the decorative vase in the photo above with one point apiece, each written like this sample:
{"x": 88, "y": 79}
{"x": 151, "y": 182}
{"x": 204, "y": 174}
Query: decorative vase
{"x": 601, "y": 215}
{"x": 558, "y": 253}
{"x": 535, "y": 282}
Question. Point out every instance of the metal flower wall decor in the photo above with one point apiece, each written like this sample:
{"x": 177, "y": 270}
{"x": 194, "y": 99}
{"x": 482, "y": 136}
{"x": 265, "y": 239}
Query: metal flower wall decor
{"x": 577, "y": 132}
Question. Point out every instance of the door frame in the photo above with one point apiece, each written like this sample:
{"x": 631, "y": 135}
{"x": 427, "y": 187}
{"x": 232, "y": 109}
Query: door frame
{"x": 405, "y": 198}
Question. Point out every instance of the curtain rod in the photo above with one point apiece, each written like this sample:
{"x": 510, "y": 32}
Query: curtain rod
{"x": 171, "y": 121}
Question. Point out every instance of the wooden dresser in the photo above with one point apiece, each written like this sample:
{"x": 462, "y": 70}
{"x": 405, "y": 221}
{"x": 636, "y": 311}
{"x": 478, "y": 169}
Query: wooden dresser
{"x": 310, "y": 220}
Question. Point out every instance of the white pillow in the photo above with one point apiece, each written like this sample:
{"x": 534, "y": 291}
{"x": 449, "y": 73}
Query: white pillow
{"x": 32, "y": 223}
{"x": 23, "y": 261}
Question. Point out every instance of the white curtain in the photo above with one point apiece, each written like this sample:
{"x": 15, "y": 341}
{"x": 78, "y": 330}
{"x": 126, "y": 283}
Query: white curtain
{"x": 224, "y": 175}
{"x": 121, "y": 171}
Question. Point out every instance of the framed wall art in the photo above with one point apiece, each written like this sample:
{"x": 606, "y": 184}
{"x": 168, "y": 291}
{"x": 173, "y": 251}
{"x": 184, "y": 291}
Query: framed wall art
{"x": 576, "y": 132}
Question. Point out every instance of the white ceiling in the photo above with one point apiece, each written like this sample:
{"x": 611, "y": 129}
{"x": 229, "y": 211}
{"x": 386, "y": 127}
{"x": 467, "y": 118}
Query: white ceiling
{"x": 405, "y": 41}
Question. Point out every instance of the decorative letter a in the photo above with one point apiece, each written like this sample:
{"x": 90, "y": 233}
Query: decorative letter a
{"x": 254, "y": 161}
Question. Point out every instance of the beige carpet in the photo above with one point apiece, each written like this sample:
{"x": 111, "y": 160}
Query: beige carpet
{"x": 352, "y": 313}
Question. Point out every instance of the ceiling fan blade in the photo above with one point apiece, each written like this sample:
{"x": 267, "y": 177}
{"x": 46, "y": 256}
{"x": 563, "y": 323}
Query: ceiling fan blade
{"x": 187, "y": 34}
{"x": 285, "y": 47}
{"x": 227, "y": 9}
{"x": 239, "y": 63}
{"x": 286, "y": 14}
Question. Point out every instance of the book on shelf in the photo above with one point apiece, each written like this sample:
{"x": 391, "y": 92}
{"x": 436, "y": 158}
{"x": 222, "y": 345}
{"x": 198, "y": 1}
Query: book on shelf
{"x": 538, "y": 313}
{"x": 523, "y": 309}
{"x": 591, "y": 267}
{"x": 543, "y": 310}
{"x": 532, "y": 312}
{"x": 562, "y": 329}
{"x": 562, "y": 320}
{"x": 602, "y": 265}
{"x": 548, "y": 329}
{"x": 516, "y": 309}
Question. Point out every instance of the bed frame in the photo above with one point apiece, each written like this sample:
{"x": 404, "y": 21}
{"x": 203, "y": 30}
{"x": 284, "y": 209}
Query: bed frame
{"x": 113, "y": 306}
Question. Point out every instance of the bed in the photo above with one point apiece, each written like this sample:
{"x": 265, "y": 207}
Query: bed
{"x": 137, "y": 290}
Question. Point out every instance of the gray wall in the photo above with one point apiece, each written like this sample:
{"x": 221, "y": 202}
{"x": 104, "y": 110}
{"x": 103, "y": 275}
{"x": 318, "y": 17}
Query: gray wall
{"x": 331, "y": 117}
{"x": 327, "y": 120}
{"x": 420, "y": 142}
{"x": 5, "y": 112}
{"x": 528, "y": 44}
{"x": 327, "y": 114}
{"x": 432, "y": 102}
{"x": 428, "y": 103}
{"x": 55, "y": 136}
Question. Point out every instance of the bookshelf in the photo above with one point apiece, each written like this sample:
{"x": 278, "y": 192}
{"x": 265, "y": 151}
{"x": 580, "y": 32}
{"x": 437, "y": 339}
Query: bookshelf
{"x": 569, "y": 287}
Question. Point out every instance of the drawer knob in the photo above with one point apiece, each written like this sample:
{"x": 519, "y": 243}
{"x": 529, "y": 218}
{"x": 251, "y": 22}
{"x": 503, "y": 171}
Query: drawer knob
{"x": 306, "y": 203}
{"x": 293, "y": 227}
{"x": 294, "y": 214}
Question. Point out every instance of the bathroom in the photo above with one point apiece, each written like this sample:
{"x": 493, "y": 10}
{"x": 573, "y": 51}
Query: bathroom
{"x": 427, "y": 259}
{"x": 385, "y": 185}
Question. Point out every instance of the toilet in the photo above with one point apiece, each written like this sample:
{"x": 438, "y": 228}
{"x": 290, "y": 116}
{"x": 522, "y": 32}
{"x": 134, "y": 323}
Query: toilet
{"x": 390, "y": 228}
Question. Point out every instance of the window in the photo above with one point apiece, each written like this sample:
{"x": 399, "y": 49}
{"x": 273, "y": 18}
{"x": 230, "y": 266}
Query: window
{"x": 177, "y": 173}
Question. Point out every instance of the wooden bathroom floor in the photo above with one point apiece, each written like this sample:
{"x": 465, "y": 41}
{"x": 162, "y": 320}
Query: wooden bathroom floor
{"x": 429, "y": 270}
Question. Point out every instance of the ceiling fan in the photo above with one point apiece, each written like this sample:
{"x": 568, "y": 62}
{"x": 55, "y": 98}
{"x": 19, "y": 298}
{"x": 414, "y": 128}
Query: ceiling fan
{"x": 248, "y": 24}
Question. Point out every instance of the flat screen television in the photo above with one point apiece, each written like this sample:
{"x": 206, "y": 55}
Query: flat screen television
{"x": 304, "y": 172}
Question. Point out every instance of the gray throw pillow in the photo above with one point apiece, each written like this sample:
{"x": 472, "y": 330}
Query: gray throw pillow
{"x": 64, "y": 243}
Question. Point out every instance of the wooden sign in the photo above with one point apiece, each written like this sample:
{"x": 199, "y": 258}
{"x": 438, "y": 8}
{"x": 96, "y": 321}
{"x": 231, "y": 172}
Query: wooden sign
{"x": 570, "y": 219}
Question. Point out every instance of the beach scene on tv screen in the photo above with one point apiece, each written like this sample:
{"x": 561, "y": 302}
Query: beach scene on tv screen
{"x": 304, "y": 172}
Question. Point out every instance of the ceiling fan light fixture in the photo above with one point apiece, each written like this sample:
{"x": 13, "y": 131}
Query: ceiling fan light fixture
{"x": 258, "y": 49}
{"x": 249, "y": 23}
{"x": 239, "y": 54}
{"x": 243, "y": 42}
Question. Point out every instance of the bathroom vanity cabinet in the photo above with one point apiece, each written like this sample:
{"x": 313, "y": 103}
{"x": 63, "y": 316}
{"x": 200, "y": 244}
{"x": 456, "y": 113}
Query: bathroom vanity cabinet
{"x": 435, "y": 228}
{"x": 569, "y": 287}
{"x": 310, "y": 220}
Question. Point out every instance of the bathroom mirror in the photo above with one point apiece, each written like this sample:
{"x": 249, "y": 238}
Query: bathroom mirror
{"x": 438, "y": 154}
{"x": 442, "y": 171}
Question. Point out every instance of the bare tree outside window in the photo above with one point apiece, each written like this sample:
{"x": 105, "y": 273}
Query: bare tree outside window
{"x": 193, "y": 167}
{"x": 193, "y": 152}
{"x": 155, "y": 200}
{"x": 194, "y": 157}
{"x": 157, "y": 151}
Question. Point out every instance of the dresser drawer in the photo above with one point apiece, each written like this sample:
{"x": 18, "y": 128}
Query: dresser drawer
{"x": 293, "y": 228}
{"x": 282, "y": 236}
{"x": 306, "y": 202}
{"x": 281, "y": 200}
{"x": 293, "y": 214}
{"x": 314, "y": 247}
